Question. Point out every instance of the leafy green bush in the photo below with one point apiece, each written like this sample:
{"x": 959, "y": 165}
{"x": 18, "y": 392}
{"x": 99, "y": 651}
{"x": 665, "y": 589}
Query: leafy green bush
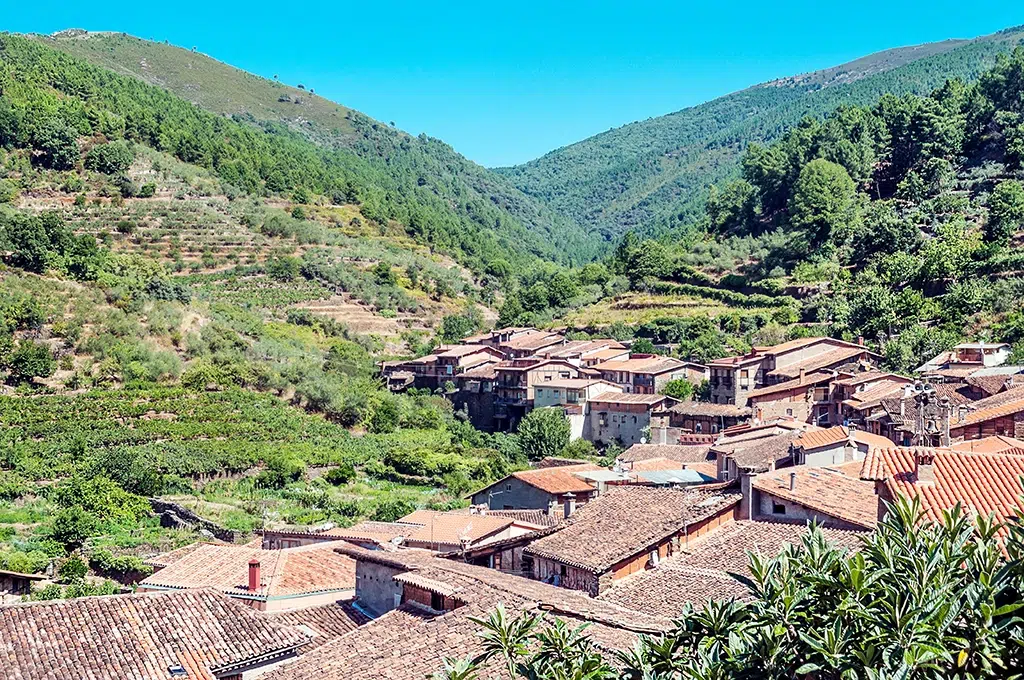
{"x": 112, "y": 158}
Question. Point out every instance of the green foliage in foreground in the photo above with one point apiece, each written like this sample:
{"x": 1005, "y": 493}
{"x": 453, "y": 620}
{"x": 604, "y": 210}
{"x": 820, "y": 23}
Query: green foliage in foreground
{"x": 916, "y": 601}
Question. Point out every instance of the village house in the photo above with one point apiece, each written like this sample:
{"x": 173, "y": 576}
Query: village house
{"x": 733, "y": 378}
{"x": 268, "y": 580}
{"x": 806, "y": 398}
{"x": 624, "y": 531}
{"x": 697, "y": 417}
{"x": 993, "y": 444}
{"x": 830, "y": 496}
{"x": 189, "y": 635}
{"x": 756, "y": 449}
{"x": 586, "y": 353}
{"x": 423, "y": 609}
{"x": 649, "y": 373}
{"x": 966, "y": 358}
{"x": 716, "y": 568}
{"x": 623, "y": 418}
{"x": 456, "y": 359}
{"x": 835, "y": 446}
{"x": 456, "y": 531}
{"x": 680, "y": 453}
{"x": 549, "y": 489}
{"x": 529, "y": 343}
{"x": 515, "y": 382}
{"x": 571, "y": 392}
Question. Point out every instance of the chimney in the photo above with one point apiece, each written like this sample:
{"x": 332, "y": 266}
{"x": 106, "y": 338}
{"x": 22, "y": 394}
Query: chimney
{"x": 792, "y": 481}
{"x": 254, "y": 575}
{"x": 803, "y": 374}
{"x": 569, "y": 504}
{"x": 924, "y": 463}
{"x": 860, "y": 340}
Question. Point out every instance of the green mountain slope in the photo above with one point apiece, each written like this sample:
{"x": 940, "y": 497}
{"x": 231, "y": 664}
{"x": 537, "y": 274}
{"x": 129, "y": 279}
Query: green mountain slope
{"x": 653, "y": 175}
{"x": 420, "y": 169}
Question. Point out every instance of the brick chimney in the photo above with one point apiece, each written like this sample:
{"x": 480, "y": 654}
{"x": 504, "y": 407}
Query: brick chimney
{"x": 803, "y": 374}
{"x": 254, "y": 575}
{"x": 569, "y": 504}
{"x": 924, "y": 467}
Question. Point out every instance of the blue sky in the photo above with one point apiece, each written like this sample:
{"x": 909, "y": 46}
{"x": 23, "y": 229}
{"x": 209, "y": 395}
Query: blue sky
{"x": 506, "y": 82}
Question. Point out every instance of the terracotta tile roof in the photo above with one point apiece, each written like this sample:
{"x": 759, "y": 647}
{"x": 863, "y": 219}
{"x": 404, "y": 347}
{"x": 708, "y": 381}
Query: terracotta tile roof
{"x": 292, "y": 571}
{"x": 625, "y": 521}
{"x": 136, "y": 636}
{"x": 678, "y": 452}
{"x": 818, "y": 361}
{"x": 453, "y": 351}
{"x": 325, "y": 622}
{"x": 815, "y": 439}
{"x": 557, "y": 480}
{"x": 410, "y": 643}
{"x": 800, "y": 343}
{"x": 808, "y": 380}
{"x": 712, "y": 569}
{"x": 536, "y": 517}
{"x": 819, "y": 438}
{"x": 825, "y": 491}
{"x": 703, "y": 408}
{"x": 533, "y": 340}
{"x": 378, "y": 532}
{"x": 994, "y": 444}
{"x": 164, "y": 559}
{"x": 653, "y": 464}
{"x": 445, "y": 529}
{"x": 990, "y": 408}
{"x": 872, "y": 397}
{"x": 983, "y": 482}
{"x": 488, "y": 372}
{"x": 573, "y": 383}
{"x": 989, "y": 384}
{"x": 762, "y": 453}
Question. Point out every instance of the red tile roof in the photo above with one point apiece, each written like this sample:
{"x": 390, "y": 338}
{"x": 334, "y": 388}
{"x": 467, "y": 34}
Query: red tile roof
{"x": 558, "y": 480}
{"x": 325, "y": 622}
{"x": 679, "y": 452}
{"x": 994, "y": 444}
{"x": 824, "y": 491}
{"x": 411, "y": 643}
{"x": 990, "y": 408}
{"x": 984, "y": 482}
{"x": 630, "y": 398}
{"x": 808, "y": 380}
{"x": 815, "y": 439}
{"x": 818, "y": 361}
{"x": 624, "y": 521}
{"x": 703, "y": 408}
{"x": 309, "y": 569}
{"x": 712, "y": 569}
{"x": 136, "y": 636}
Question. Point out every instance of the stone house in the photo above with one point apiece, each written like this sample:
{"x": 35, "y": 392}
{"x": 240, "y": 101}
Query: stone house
{"x": 625, "y": 418}
{"x": 625, "y": 531}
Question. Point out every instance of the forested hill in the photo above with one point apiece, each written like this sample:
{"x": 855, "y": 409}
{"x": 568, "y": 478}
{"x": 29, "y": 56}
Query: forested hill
{"x": 445, "y": 199}
{"x": 653, "y": 175}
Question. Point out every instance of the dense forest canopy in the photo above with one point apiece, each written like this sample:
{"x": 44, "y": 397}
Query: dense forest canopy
{"x": 652, "y": 175}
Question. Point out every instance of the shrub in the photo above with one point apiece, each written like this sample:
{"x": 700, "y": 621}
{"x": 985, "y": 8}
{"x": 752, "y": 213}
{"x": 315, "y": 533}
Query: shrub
{"x": 31, "y": 360}
{"x": 341, "y": 475}
{"x": 73, "y": 569}
{"x": 147, "y": 190}
{"x": 110, "y": 159}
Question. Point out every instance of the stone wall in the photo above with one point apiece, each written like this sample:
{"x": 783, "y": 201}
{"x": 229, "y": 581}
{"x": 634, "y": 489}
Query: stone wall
{"x": 177, "y": 516}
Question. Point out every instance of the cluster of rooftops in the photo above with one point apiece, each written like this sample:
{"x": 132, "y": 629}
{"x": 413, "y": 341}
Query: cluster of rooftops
{"x": 623, "y": 548}
{"x": 604, "y": 546}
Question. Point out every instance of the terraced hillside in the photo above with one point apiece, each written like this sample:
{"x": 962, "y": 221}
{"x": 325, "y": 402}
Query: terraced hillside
{"x": 419, "y": 165}
{"x": 654, "y": 175}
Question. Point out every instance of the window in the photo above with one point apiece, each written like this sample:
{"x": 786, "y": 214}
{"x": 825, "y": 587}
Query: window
{"x": 508, "y": 487}
{"x": 437, "y": 602}
{"x": 698, "y": 428}
{"x": 602, "y": 418}
{"x": 634, "y": 420}
{"x": 789, "y": 411}
{"x": 778, "y": 508}
{"x": 547, "y": 378}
